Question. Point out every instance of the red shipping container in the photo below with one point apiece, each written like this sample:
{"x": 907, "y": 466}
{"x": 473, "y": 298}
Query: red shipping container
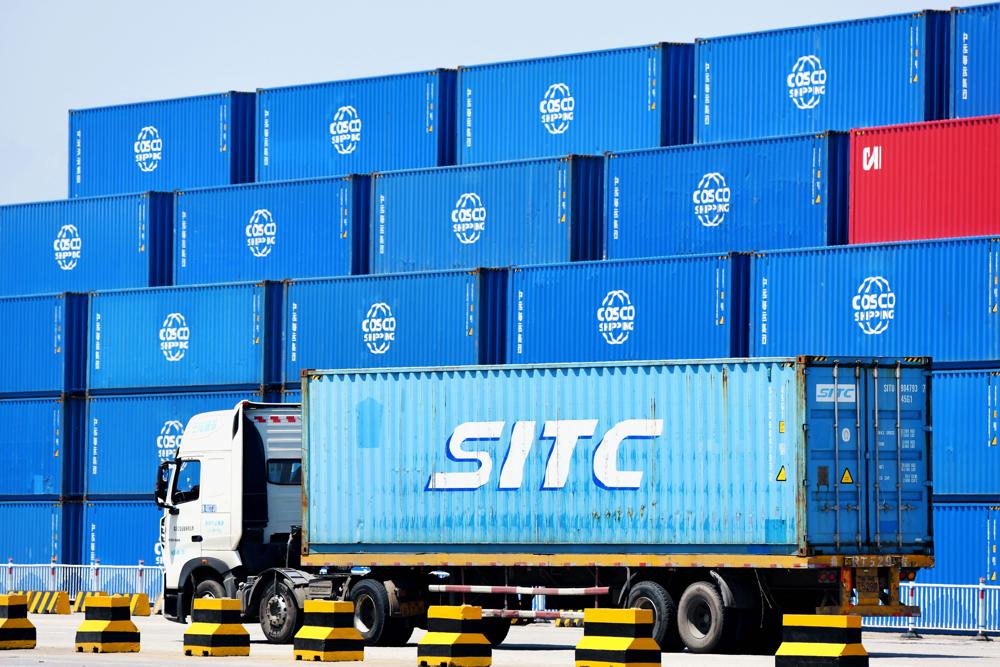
{"x": 925, "y": 180}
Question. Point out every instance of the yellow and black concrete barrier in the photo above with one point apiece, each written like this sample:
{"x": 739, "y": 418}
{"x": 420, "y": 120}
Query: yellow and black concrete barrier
{"x": 617, "y": 638}
{"x": 329, "y": 634}
{"x": 217, "y": 629}
{"x": 80, "y": 601}
{"x": 16, "y": 631}
{"x": 46, "y": 602}
{"x": 107, "y": 627}
{"x": 138, "y": 603}
{"x": 821, "y": 640}
{"x": 454, "y": 638}
{"x": 570, "y": 622}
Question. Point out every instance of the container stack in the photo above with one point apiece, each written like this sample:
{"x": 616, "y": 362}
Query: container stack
{"x": 828, "y": 192}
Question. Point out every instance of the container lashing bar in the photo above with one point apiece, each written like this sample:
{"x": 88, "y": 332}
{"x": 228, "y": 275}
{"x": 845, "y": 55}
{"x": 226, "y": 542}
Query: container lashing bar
{"x": 878, "y": 468}
{"x": 857, "y": 447}
{"x": 836, "y": 455}
{"x": 899, "y": 460}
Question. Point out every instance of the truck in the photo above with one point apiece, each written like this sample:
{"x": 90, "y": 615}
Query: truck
{"x": 720, "y": 494}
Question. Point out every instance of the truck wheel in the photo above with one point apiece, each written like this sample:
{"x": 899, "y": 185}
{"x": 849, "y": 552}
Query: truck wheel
{"x": 279, "y": 614}
{"x": 209, "y": 588}
{"x": 651, "y": 595}
{"x": 703, "y": 621}
{"x": 496, "y": 630}
{"x": 372, "y": 619}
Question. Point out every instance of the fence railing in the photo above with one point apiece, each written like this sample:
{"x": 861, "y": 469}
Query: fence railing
{"x": 76, "y": 578}
{"x": 947, "y": 608}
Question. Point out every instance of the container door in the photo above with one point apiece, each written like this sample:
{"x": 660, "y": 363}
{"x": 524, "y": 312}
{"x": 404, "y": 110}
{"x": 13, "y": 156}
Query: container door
{"x": 898, "y": 489}
{"x": 837, "y": 512}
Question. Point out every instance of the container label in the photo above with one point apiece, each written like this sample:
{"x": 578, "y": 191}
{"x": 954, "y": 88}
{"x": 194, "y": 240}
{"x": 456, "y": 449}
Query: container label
{"x": 468, "y": 218}
{"x": 871, "y": 158}
{"x": 616, "y": 317}
{"x": 169, "y": 439}
{"x": 175, "y": 337}
{"x": 965, "y": 66}
{"x": 148, "y": 149}
{"x": 556, "y": 108}
{"x": 379, "y": 328}
{"x": 807, "y": 82}
{"x": 711, "y": 199}
{"x": 67, "y": 247}
{"x": 261, "y": 233}
{"x": 845, "y": 393}
{"x": 874, "y": 305}
{"x": 345, "y": 130}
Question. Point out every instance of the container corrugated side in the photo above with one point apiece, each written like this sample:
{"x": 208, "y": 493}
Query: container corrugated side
{"x": 183, "y": 337}
{"x": 975, "y": 61}
{"x": 628, "y": 310}
{"x": 43, "y": 345}
{"x": 272, "y": 231}
{"x": 127, "y": 437}
{"x": 41, "y": 451}
{"x": 401, "y": 121}
{"x": 446, "y": 318}
{"x": 39, "y": 533}
{"x": 79, "y": 245}
{"x": 925, "y": 180}
{"x": 121, "y": 533}
{"x": 526, "y": 212}
{"x": 619, "y": 99}
{"x": 754, "y": 195}
{"x": 927, "y": 298}
{"x": 967, "y": 544}
{"x": 834, "y": 76}
{"x": 188, "y": 142}
{"x": 966, "y": 451}
{"x": 690, "y": 457}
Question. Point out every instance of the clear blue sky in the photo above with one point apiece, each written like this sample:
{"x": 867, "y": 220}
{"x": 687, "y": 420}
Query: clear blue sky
{"x": 62, "y": 54}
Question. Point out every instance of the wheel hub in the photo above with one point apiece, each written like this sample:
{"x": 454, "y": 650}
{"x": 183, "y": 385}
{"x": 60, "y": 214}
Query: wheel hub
{"x": 364, "y": 613}
{"x": 277, "y": 611}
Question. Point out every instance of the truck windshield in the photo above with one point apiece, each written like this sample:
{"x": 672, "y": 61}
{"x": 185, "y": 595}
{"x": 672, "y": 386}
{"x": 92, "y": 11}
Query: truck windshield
{"x": 187, "y": 482}
{"x": 284, "y": 471}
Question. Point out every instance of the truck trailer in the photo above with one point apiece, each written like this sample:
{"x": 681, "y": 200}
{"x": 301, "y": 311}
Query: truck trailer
{"x": 720, "y": 494}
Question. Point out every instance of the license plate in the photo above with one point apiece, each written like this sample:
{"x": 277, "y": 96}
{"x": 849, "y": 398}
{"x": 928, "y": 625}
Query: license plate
{"x": 866, "y": 582}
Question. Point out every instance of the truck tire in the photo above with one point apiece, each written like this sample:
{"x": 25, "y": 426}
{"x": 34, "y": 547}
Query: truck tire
{"x": 496, "y": 630}
{"x": 280, "y": 617}
{"x": 209, "y": 588}
{"x": 372, "y": 616}
{"x": 703, "y": 621}
{"x": 651, "y": 595}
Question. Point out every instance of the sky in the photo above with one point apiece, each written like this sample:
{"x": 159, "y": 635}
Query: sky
{"x": 57, "y": 55}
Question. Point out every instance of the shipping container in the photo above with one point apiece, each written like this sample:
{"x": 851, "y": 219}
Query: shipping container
{"x": 40, "y": 533}
{"x": 445, "y": 318}
{"x": 79, "y": 245}
{"x": 628, "y": 310}
{"x": 176, "y": 338}
{"x": 925, "y": 180}
{"x": 189, "y": 142}
{"x": 751, "y": 195}
{"x": 928, "y": 298}
{"x": 637, "y": 97}
{"x": 527, "y": 212}
{"x": 834, "y": 76}
{"x": 291, "y": 396}
{"x": 401, "y": 121}
{"x": 121, "y": 532}
{"x": 41, "y": 450}
{"x": 966, "y": 544}
{"x": 272, "y": 231}
{"x": 966, "y": 453}
{"x": 975, "y": 61}
{"x": 127, "y": 436}
{"x": 687, "y": 457}
{"x": 43, "y": 345}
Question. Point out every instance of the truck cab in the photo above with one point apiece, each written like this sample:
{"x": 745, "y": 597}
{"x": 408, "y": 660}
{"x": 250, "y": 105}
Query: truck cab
{"x": 232, "y": 501}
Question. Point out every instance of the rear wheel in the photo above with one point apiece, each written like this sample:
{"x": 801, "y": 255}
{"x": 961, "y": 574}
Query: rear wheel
{"x": 372, "y": 619}
{"x": 651, "y": 595}
{"x": 279, "y": 614}
{"x": 703, "y": 621}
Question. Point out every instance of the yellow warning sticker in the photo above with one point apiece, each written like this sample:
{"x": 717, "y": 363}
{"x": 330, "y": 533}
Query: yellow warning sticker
{"x": 782, "y": 477}
{"x": 846, "y": 477}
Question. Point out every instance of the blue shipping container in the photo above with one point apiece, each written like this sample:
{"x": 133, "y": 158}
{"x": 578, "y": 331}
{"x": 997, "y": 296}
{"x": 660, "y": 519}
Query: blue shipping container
{"x": 966, "y": 452}
{"x": 38, "y": 533}
{"x": 447, "y": 318}
{"x": 975, "y": 61}
{"x": 637, "y": 97}
{"x": 836, "y": 76}
{"x": 927, "y": 298}
{"x": 653, "y": 458}
{"x": 79, "y": 245}
{"x": 183, "y": 337}
{"x": 189, "y": 142}
{"x": 43, "y": 345}
{"x": 529, "y": 212}
{"x": 121, "y": 533}
{"x": 402, "y": 121}
{"x": 753, "y": 195}
{"x": 630, "y": 310}
{"x": 40, "y": 453}
{"x": 966, "y": 544}
{"x": 272, "y": 231}
{"x": 127, "y": 437}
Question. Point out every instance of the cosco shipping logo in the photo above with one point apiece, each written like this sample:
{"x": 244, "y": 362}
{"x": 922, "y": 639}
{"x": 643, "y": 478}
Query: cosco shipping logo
{"x": 67, "y": 247}
{"x": 874, "y": 305}
{"x": 711, "y": 199}
{"x": 616, "y": 317}
{"x": 468, "y": 219}
{"x": 169, "y": 439}
{"x": 556, "y": 108}
{"x": 148, "y": 149}
{"x": 345, "y": 130}
{"x": 261, "y": 233}
{"x": 807, "y": 82}
{"x": 175, "y": 337}
{"x": 378, "y": 328}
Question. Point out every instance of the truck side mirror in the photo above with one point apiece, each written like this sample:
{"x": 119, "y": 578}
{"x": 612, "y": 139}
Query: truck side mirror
{"x": 163, "y": 483}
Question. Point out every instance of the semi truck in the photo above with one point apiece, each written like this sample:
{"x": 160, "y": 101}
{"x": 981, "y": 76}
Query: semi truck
{"x": 719, "y": 494}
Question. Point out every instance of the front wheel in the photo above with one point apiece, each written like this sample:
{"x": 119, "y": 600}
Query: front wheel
{"x": 279, "y": 614}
